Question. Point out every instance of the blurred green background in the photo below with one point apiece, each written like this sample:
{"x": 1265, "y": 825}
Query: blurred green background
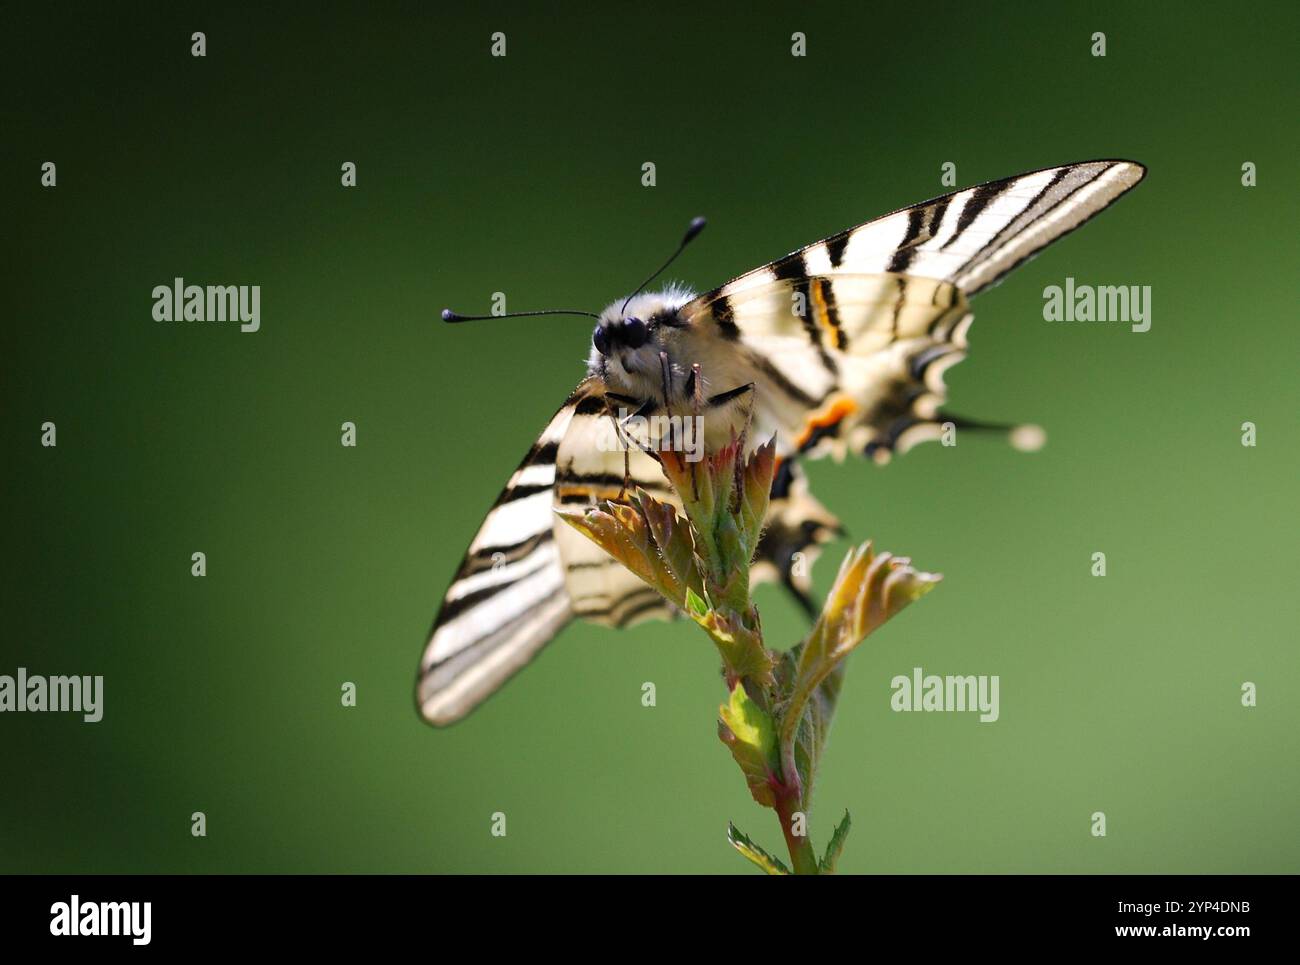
{"x": 522, "y": 175}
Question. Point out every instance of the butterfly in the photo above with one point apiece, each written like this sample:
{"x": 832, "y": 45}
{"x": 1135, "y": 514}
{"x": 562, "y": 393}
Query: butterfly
{"x": 838, "y": 347}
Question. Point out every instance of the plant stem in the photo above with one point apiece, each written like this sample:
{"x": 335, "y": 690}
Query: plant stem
{"x": 803, "y": 860}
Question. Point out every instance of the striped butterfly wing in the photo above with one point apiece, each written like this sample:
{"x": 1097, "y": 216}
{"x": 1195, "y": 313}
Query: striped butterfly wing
{"x": 849, "y": 337}
{"x": 847, "y": 340}
{"x": 589, "y": 470}
{"x": 527, "y": 573}
{"x": 795, "y": 529}
{"x": 508, "y": 597}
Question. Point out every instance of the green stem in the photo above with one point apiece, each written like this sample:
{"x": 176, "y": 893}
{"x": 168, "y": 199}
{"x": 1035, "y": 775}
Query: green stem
{"x": 802, "y": 857}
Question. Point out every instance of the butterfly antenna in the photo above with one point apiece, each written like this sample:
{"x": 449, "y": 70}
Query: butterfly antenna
{"x": 449, "y": 316}
{"x": 692, "y": 231}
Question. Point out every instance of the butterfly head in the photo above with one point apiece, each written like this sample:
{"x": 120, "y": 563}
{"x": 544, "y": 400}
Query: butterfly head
{"x": 634, "y": 334}
{"x": 631, "y": 333}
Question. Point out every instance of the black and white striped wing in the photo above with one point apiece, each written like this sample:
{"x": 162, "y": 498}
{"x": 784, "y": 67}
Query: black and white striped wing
{"x": 849, "y": 337}
{"x": 970, "y": 238}
{"x": 508, "y": 597}
{"x": 527, "y": 573}
{"x": 589, "y": 469}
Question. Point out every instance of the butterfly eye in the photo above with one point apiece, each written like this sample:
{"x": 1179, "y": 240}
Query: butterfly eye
{"x": 600, "y": 340}
{"x": 635, "y": 332}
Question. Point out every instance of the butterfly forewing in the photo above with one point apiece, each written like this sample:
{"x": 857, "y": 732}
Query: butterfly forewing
{"x": 508, "y": 597}
{"x": 970, "y": 238}
{"x": 597, "y": 462}
{"x": 853, "y": 334}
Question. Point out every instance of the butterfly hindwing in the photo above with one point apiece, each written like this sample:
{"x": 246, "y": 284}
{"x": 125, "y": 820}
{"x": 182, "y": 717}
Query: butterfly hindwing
{"x": 796, "y": 528}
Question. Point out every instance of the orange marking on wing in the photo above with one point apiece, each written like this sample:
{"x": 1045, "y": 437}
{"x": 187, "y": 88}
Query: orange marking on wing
{"x": 831, "y": 414}
{"x": 823, "y": 314}
{"x": 594, "y": 495}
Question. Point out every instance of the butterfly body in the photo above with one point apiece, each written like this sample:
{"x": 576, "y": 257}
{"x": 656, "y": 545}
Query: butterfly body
{"x": 838, "y": 347}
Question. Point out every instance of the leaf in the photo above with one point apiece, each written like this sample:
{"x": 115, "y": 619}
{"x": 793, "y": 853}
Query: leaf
{"x": 624, "y": 532}
{"x": 696, "y": 606}
{"x": 743, "y": 653}
{"x": 756, "y": 492}
{"x": 706, "y": 490}
{"x": 672, "y": 537}
{"x": 833, "y": 850}
{"x": 754, "y": 853}
{"x": 868, "y": 591}
{"x": 608, "y": 527}
{"x": 750, "y": 733}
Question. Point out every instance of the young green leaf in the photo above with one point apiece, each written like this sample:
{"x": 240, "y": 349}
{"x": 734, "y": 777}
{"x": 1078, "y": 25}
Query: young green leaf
{"x": 750, "y": 733}
{"x": 868, "y": 591}
{"x": 754, "y": 853}
{"x": 833, "y": 850}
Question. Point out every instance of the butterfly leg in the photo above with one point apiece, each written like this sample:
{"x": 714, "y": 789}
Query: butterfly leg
{"x": 642, "y": 410}
{"x": 722, "y": 398}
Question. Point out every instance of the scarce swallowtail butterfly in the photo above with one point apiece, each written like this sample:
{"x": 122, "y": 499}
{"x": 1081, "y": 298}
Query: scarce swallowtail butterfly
{"x": 838, "y": 347}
